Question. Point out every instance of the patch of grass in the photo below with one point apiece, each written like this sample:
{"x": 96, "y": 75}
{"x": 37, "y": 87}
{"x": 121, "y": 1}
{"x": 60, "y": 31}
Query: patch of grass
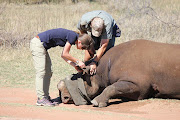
{"x": 147, "y": 19}
{"x": 17, "y": 69}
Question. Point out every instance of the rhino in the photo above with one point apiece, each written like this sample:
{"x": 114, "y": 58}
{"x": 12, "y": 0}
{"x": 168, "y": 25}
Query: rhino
{"x": 134, "y": 70}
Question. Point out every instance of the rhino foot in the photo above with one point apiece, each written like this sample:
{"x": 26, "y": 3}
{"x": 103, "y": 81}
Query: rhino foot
{"x": 94, "y": 102}
{"x": 100, "y": 104}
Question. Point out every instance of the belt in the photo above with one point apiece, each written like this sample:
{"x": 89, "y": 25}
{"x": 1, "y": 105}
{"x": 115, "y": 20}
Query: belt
{"x": 40, "y": 40}
{"x": 37, "y": 37}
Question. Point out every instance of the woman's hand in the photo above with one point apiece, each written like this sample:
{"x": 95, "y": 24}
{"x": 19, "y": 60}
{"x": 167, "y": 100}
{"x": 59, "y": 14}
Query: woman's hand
{"x": 80, "y": 64}
{"x": 78, "y": 69}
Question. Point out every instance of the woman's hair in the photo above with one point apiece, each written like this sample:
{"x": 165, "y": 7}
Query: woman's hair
{"x": 87, "y": 42}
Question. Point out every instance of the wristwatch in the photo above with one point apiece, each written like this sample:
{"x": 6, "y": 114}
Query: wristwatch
{"x": 77, "y": 62}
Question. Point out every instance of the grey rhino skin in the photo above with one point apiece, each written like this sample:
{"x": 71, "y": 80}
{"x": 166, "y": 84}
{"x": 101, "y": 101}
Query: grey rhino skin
{"x": 138, "y": 69}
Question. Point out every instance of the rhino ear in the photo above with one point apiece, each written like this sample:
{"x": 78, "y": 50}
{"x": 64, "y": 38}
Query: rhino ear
{"x": 60, "y": 85}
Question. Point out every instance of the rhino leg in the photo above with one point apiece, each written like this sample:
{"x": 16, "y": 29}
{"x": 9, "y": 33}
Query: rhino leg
{"x": 120, "y": 88}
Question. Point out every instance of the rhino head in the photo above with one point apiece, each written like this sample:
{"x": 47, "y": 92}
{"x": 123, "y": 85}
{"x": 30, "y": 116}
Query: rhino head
{"x": 64, "y": 93}
{"x": 72, "y": 89}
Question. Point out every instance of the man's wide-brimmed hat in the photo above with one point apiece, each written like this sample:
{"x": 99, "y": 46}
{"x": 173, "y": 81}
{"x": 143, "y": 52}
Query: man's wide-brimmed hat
{"x": 97, "y": 25}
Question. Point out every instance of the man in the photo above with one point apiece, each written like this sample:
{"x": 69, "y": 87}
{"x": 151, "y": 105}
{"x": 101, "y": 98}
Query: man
{"x": 103, "y": 30}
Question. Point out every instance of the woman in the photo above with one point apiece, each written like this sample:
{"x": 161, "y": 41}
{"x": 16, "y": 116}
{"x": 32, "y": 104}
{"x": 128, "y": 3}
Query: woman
{"x": 39, "y": 47}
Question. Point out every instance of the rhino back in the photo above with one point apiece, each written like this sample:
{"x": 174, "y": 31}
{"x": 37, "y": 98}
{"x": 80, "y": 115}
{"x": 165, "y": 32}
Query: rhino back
{"x": 145, "y": 63}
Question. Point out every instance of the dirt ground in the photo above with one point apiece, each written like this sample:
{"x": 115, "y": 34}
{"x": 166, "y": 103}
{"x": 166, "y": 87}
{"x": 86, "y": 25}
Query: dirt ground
{"x": 19, "y": 104}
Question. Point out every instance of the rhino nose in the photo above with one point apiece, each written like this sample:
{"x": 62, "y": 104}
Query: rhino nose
{"x": 66, "y": 98}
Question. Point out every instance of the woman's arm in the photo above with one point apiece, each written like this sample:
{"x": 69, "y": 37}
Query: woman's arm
{"x": 68, "y": 58}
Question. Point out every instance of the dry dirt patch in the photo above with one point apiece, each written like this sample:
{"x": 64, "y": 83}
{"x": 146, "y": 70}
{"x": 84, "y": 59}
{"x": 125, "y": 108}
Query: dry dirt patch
{"x": 19, "y": 104}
